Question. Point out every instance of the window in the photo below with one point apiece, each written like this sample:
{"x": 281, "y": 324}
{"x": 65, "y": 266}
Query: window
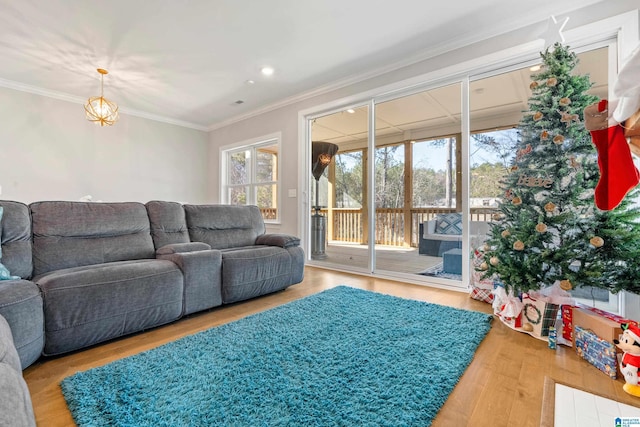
{"x": 252, "y": 176}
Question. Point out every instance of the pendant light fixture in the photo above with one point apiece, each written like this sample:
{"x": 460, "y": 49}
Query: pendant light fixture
{"x": 100, "y": 110}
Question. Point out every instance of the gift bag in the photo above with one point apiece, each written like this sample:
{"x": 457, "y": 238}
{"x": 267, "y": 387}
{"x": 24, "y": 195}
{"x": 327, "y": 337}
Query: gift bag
{"x": 567, "y": 322}
{"x": 510, "y": 312}
{"x": 539, "y": 313}
{"x": 480, "y": 289}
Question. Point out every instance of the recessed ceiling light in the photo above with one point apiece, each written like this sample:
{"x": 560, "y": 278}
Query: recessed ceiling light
{"x": 535, "y": 68}
{"x": 267, "y": 71}
{"x": 250, "y": 82}
{"x": 351, "y": 111}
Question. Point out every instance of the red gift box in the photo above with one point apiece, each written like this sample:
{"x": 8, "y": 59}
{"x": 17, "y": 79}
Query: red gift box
{"x": 567, "y": 322}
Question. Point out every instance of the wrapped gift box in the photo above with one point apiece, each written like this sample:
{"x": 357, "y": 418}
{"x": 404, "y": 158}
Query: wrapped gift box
{"x": 481, "y": 294}
{"x": 603, "y": 327}
{"x": 614, "y": 317}
{"x": 567, "y": 322}
{"x": 595, "y": 350}
{"x": 600, "y": 323}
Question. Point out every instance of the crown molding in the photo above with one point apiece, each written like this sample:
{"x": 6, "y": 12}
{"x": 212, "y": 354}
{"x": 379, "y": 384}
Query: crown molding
{"x": 10, "y": 84}
{"x": 538, "y": 26}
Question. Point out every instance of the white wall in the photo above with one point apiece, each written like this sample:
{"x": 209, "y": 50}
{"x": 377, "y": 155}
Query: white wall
{"x": 285, "y": 119}
{"x": 49, "y": 151}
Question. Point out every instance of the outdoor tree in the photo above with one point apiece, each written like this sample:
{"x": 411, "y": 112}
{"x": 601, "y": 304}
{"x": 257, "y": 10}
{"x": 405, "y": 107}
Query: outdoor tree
{"x": 348, "y": 179}
{"x": 389, "y": 178}
{"x": 548, "y": 228}
{"x": 499, "y": 143}
{"x": 485, "y": 180}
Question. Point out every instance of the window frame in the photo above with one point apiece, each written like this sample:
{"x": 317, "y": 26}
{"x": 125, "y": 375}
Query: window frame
{"x": 252, "y": 145}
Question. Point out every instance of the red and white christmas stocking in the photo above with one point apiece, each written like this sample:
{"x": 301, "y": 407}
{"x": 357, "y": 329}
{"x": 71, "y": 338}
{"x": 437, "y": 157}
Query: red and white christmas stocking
{"x": 618, "y": 174}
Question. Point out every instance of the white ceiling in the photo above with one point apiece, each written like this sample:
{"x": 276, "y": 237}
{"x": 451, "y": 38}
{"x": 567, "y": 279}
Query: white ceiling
{"x": 187, "y": 61}
{"x": 495, "y": 102}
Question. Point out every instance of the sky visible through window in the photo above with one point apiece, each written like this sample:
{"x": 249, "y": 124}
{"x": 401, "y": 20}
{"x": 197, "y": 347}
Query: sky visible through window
{"x": 434, "y": 157}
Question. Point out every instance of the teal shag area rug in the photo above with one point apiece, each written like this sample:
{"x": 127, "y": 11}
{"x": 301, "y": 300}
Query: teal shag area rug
{"x": 344, "y": 357}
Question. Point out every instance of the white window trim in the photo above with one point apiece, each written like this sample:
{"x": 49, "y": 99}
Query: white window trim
{"x": 270, "y": 139}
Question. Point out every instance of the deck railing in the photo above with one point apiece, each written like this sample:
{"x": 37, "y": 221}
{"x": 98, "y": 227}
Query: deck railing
{"x": 348, "y": 224}
{"x": 269, "y": 213}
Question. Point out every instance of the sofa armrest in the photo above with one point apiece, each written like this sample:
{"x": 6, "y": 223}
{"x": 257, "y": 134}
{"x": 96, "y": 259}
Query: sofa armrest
{"x": 16, "y": 408}
{"x": 429, "y": 227}
{"x": 282, "y": 240}
{"x": 178, "y": 248}
{"x": 202, "y": 272}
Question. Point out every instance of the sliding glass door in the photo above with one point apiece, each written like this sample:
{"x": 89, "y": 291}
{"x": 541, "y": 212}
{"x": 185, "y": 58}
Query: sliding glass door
{"x": 415, "y": 182}
{"x": 418, "y": 199}
{"x": 339, "y": 216}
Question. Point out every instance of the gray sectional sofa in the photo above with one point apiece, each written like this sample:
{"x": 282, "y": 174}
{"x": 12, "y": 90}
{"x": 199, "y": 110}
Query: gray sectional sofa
{"x": 84, "y": 272}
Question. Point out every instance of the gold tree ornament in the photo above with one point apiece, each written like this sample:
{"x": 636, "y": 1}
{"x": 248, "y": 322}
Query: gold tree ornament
{"x": 537, "y": 116}
{"x": 505, "y": 234}
{"x": 552, "y": 81}
{"x": 518, "y": 245}
{"x": 550, "y": 207}
{"x": 508, "y": 194}
{"x": 558, "y": 139}
{"x": 573, "y": 162}
{"x": 494, "y": 261}
{"x": 564, "y": 101}
{"x": 569, "y": 118}
{"x": 523, "y": 152}
{"x": 533, "y": 85}
{"x": 484, "y": 266}
{"x": 596, "y": 241}
{"x": 527, "y": 327}
{"x": 541, "y": 227}
{"x": 566, "y": 285}
{"x": 544, "y": 135}
{"x": 516, "y": 201}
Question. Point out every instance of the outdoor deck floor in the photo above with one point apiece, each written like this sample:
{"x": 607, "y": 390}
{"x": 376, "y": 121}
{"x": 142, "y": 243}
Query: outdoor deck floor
{"x": 389, "y": 258}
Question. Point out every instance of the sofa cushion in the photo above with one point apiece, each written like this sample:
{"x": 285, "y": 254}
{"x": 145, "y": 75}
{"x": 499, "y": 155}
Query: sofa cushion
{"x": 21, "y": 306}
{"x": 5, "y": 274}
{"x": 168, "y": 223}
{"x": 224, "y": 226}
{"x": 248, "y": 272}
{"x": 15, "y": 238}
{"x": 4, "y": 271}
{"x": 1, "y": 211}
{"x": 72, "y": 234}
{"x": 90, "y": 304}
{"x": 16, "y": 409}
{"x": 450, "y": 223}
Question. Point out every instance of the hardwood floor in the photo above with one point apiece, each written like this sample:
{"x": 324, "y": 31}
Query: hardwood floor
{"x": 503, "y": 386}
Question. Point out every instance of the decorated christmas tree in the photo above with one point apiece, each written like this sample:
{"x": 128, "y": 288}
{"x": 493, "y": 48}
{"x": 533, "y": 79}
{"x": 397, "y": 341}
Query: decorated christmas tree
{"x": 548, "y": 229}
